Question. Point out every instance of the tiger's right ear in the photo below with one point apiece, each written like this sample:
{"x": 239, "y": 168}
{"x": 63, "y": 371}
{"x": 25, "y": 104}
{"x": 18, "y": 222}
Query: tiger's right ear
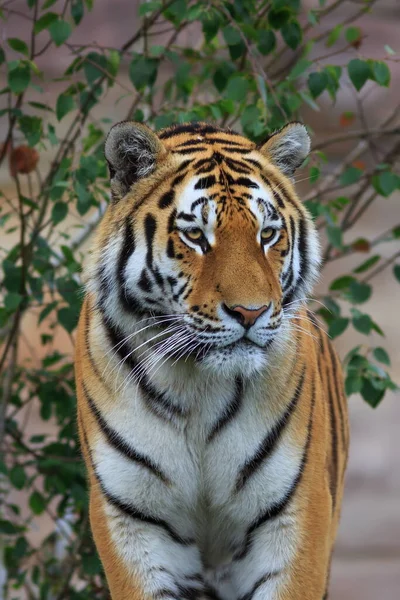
{"x": 131, "y": 151}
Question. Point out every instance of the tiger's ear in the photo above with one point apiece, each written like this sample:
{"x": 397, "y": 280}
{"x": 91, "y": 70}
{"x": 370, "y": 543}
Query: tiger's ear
{"x": 131, "y": 151}
{"x": 288, "y": 147}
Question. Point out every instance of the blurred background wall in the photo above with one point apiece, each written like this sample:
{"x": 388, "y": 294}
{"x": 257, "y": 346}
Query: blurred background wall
{"x": 366, "y": 563}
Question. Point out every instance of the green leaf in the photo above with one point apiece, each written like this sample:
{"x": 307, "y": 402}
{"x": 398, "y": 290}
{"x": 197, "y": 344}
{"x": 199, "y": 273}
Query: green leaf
{"x": 93, "y": 73}
{"x": 334, "y": 35}
{"x": 18, "y": 45}
{"x": 342, "y": 282}
{"x": 353, "y": 384}
{"x": 266, "y": 41}
{"x": 359, "y": 72}
{"x": 363, "y": 324}
{"x": 337, "y": 326}
{"x": 231, "y": 35}
{"x": 222, "y": 75}
{"x": 386, "y": 183}
{"x": 77, "y": 11}
{"x": 353, "y": 34}
{"x": 45, "y": 21}
{"x": 315, "y": 173}
{"x": 317, "y": 83}
{"x": 300, "y": 67}
{"x": 65, "y": 103}
{"x": 381, "y": 355}
{"x": 350, "y": 176}
{"x": 292, "y": 34}
{"x": 60, "y": 31}
{"x": 371, "y": 394}
{"x": 143, "y": 71}
{"x": 59, "y": 212}
{"x": 370, "y": 262}
{"x": 8, "y": 528}
{"x": 12, "y": 276}
{"x": 31, "y": 127}
{"x": 12, "y": 300}
{"x": 91, "y": 564}
{"x": 68, "y": 318}
{"x": 335, "y": 236}
{"x": 19, "y": 78}
{"x": 278, "y": 18}
{"x": 381, "y": 73}
{"x": 237, "y": 88}
{"x": 47, "y": 310}
{"x": 359, "y": 292}
{"x": 396, "y": 232}
{"x": 396, "y": 272}
{"x": 17, "y": 477}
{"x": 37, "y": 503}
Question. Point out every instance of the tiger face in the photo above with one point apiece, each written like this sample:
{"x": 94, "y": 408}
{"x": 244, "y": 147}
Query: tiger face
{"x": 205, "y": 246}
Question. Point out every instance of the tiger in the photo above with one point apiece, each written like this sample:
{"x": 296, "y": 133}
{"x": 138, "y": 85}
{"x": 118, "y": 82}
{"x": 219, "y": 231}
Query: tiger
{"x": 211, "y": 407}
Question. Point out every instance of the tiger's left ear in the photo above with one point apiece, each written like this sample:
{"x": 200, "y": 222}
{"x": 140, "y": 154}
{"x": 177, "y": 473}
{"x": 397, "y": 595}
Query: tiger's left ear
{"x": 288, "y": 147}
{"x": 132, "y": 151}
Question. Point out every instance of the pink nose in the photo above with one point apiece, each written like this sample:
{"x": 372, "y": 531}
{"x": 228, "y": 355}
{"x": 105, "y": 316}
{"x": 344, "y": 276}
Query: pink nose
{"x": 246, "y": 316}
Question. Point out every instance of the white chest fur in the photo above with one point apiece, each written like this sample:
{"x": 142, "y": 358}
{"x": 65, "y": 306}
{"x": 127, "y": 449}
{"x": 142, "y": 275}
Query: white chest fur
{"x": 199, "y": 437}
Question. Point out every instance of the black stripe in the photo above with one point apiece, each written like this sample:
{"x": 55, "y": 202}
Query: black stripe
{"x": 289, "y": 276}
{"x": 153, "y": 399}
{"x": 338, "y": 392}
{"x": 190, "y": 150}
{"x": 150, "y": 227}
{"x": 205, "y": 182}
{"x": 158, "y": 400}
{"x": 201, "y": 200}
{"x": 88, "y": 350}
{"x": 218, "y": 140}
{"x": 237, "y": 167}
{"x": 303, "y": 251}
{"x": 258, "y": 584}
{"x": 129, "y": 509}
{"x": 246, "y": 183}
{"x": 171, "y": 221}
{"x": 177, "y": 130}
{"x": 277, "y": 508}
{"x": 271, "y": 440}
{"x": 121, "y": 445}
{"x": 144, "y": 282}
{"x": 190, "y": 142}
{"x": 166, "y": 199}
{"x": 254, "y": 162}
{"x": 237, "y": 150}
{"x": 185, "y": 217}
{"x": 183, "y": 165}
{"x": 230, "y": 411}
{"x": 334, "y": 439}
{"x": 127, "y": 299}
{"x": 170, "y": 248}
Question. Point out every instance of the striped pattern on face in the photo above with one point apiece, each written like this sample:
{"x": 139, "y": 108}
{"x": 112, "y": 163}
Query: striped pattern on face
{"x": 222, "y": 228}
{"x": 211, "y": 409}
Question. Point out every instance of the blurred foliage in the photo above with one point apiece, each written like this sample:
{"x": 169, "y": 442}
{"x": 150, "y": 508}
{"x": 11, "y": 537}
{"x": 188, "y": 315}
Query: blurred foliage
{"x": 250, "y": 65}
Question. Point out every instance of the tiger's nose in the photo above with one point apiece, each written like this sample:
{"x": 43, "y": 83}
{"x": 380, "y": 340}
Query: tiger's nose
{"x": 245, "y": 316}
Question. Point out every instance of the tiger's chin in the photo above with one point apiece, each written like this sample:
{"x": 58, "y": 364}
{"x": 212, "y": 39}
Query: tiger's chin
{"x": 243, "y": 358}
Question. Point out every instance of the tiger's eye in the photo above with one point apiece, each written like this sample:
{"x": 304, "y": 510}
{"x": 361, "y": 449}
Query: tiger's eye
{"x": 267, "y": 234}
{"x": 194, "y": 234}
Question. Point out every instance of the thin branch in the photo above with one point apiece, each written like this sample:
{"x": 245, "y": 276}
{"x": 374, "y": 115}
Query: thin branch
{"x": 357, "y": 134}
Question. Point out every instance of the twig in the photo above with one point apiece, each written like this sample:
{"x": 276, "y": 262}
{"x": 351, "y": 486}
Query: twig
{"x": 359, "y": 133}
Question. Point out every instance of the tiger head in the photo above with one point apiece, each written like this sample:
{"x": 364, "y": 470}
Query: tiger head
{"x": 205, "y": 240}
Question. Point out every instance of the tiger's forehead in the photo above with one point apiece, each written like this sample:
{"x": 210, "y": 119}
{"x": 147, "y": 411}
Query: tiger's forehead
{"x": 203, "y": 137}
{"x": 214, "y": 197}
